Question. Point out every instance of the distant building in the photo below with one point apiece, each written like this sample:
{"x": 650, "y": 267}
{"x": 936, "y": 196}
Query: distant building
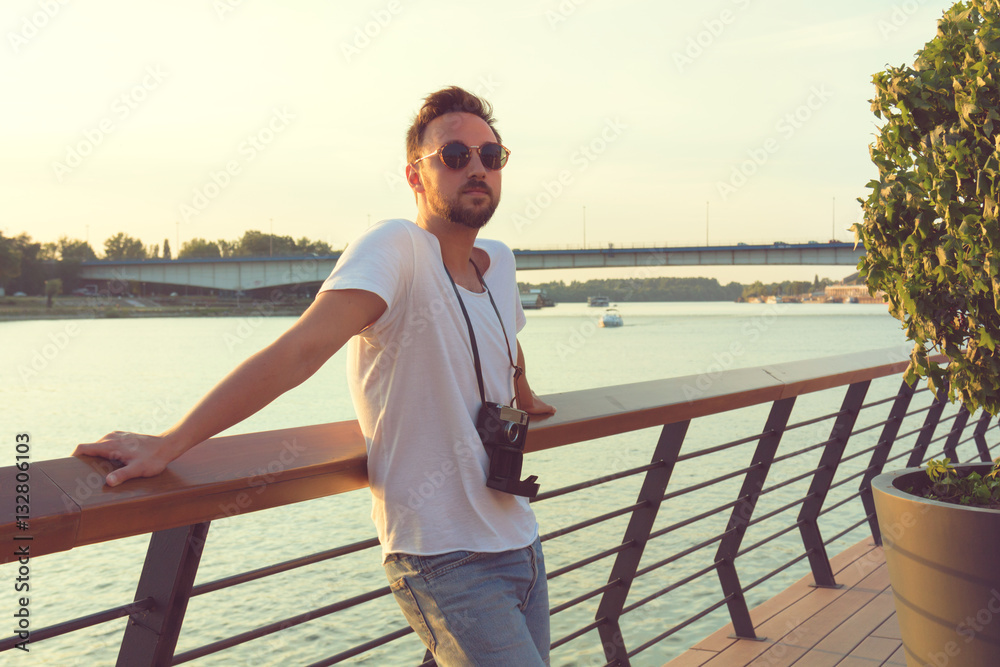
{"x": 531, "y": 301}
{"x": 853, "y": 293}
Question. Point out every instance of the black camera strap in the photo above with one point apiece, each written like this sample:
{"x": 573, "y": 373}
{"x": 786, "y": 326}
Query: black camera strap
{"x": 472, "y": 334}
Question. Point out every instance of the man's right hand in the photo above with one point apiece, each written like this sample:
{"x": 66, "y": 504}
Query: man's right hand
{"x": 140, "y": 454}
{"x": 323, "y": 329}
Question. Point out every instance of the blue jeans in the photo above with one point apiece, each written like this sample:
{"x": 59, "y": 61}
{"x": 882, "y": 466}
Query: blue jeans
{"x": 473, "y": 608}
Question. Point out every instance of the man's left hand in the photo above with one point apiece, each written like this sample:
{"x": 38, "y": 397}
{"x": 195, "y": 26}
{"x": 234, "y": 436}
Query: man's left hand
{"x": 538, "y": 407}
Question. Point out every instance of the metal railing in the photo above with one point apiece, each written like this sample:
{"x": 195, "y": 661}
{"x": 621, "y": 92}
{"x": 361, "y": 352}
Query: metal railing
{"x": 659, "y": 528}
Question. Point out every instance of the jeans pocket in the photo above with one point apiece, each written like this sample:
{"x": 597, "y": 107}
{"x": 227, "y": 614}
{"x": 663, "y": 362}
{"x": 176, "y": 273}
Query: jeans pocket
{"x": 411, "y": 610}
{"x": 432, "y": 567}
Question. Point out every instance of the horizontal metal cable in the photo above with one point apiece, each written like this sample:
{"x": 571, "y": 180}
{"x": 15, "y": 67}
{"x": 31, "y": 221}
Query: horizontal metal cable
{"x": 870, "y": 427}
{"x": 692, "y": 519}
{"x": 949, "y": 418}
{"x": 672, "y": 587}
{"x": 801, "y": 476}
{"x": 362, "y": 648}
{"x": 814, "y": 420}
{"x": 677, "y": 628}
{"x": 851, "y": 457}
{"x": 898, "y": 456}
{"x": 841, "y": 482}
{"x": 777, "y": 571}
{"x": 781, "y": 509}
{"x": 80, "y": 623}
{"x": 277, "y": 568}
{"x": 594, "y": 520}
{"x": 577, "y": 633}
{"x": 597, "y": 481}
{"x": 806, "y": 450}
{"x": 696, "y": 487}
{"x": 681, "y": 554}
{"x": 853, "y": 526}
{"x": 907, "y": 434}
{"x": 588, "y": 560}
{"x": 271, "y": 628}
{"x": 719, "y": 448}
{"x": 769, "y": 538}
{"x": 962, "y": 442}
{"x": 881, "y": 401}
{"x": 582, "y": 598}
{"x": 840, "y": 503}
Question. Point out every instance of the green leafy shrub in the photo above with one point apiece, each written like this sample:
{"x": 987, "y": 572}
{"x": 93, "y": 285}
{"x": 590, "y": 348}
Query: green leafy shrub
{"x": 931, "y": 224}
{"x": 973, "y": 489}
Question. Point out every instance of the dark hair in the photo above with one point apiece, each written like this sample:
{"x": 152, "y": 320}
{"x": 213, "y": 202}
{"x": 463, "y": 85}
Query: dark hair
{"x": 447, "y": 100}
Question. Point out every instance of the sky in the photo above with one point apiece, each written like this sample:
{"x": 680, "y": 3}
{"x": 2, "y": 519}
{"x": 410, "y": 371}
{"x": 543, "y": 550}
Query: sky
{"x": 632, "y": 122}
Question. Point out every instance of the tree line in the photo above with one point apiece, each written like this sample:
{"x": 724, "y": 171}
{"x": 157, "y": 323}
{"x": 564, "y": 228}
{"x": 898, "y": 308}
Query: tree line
{"x": 671, "y": 289}
{"x": 639, "y": 289}
{"x": 26, "y": 264}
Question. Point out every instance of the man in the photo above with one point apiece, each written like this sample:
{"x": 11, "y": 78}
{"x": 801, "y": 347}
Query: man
{"x": 431, "y": 314}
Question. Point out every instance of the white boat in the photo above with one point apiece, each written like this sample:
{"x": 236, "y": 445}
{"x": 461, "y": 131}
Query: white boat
{"x": 611, "y": 318}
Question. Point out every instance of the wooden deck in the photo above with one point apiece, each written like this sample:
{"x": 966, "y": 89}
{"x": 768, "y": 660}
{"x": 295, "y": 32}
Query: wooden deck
{"x": 854, "y": 626}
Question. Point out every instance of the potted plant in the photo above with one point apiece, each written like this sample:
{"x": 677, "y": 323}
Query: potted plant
{"x": 941, "y": 532}
{"x": 931, "y": 231}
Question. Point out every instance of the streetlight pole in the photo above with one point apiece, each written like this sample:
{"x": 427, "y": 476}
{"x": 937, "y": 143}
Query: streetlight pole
{"x": 584, "y": 227}
{"x": 833, "y": 220}
{"x": 706, "y": 223}
{"x": 270, "y": 240}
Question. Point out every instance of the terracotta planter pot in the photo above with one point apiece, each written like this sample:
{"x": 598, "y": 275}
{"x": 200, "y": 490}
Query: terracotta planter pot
{"x": 944, "y": 567}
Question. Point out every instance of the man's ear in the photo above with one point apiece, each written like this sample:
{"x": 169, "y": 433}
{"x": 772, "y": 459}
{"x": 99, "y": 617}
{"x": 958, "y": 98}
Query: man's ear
{"x": 413, "y": 179}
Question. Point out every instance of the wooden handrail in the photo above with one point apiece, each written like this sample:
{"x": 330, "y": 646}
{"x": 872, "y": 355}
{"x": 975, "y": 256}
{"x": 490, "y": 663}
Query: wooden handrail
{"x": 71, "y": 506}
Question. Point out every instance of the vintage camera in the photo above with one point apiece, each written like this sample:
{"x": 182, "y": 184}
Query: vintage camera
{"x": 504, "y": 431}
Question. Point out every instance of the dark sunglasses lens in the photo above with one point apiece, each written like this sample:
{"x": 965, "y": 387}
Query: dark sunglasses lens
{"x": 494, "y": 156}
{"x": 455, "y": 155}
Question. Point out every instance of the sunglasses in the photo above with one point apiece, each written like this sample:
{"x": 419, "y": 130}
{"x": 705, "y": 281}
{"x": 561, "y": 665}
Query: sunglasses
{"x": 456, "y": 155}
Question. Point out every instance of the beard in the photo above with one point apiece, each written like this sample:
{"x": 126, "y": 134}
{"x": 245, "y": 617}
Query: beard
{"x": 474, "y": 217}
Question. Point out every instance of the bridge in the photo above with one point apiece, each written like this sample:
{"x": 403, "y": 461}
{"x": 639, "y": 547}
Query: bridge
{"x": 250, "y": 273}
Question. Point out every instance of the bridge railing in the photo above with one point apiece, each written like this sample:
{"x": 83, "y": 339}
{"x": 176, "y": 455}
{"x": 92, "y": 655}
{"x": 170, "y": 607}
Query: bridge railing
{"x": 650, "y": 546}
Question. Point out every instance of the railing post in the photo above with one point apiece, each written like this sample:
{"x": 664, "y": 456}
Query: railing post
{"x": 980, "y": 434}
{"x": 640, "y": 525}
{"x": 931, "y": 421}
{"x": 167, "y": 576}
{"x": 881, "y": 454}
{"x": 812, "y": 539}
{"x": 957, "y": 428}
{"x": 753, "y": 484}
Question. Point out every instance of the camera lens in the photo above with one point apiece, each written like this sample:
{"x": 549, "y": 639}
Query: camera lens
{"x": 512, "y": 431}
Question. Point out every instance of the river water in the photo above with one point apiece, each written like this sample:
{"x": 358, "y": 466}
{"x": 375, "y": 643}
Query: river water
{"x": 70, "y": 381}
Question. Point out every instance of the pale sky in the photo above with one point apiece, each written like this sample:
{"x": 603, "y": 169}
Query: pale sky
{"x": 627, "y": 121}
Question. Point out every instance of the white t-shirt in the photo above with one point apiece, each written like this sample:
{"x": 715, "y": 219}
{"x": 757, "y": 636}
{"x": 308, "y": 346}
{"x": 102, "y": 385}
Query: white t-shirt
{"x": 414, "y": 388}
